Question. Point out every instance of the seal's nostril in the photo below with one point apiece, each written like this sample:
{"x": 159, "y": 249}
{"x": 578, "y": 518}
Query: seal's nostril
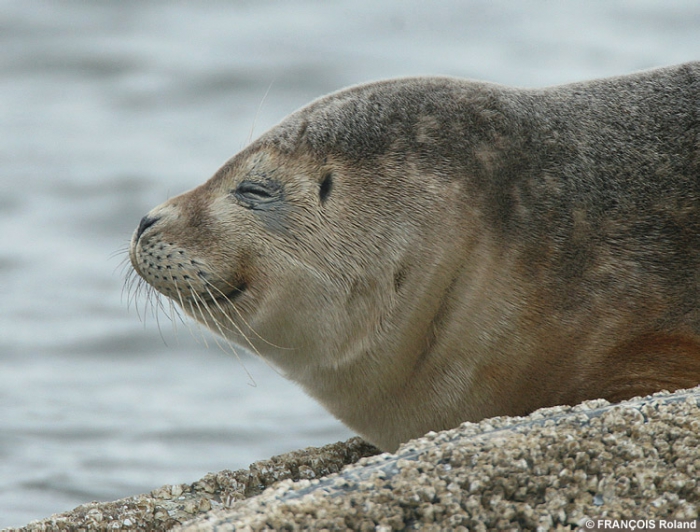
{"x": 146, "y": 222}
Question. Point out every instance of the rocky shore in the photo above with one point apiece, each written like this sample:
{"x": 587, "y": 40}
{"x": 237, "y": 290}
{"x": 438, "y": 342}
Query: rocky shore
{"x": 559, "y": 468}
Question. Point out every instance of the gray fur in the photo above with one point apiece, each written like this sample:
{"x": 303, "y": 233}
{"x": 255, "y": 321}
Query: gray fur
{"x": 476, "y": 250}
{"x": 570, "y": 172}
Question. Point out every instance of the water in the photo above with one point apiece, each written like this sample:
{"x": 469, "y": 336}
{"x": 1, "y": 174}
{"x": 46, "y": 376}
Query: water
{"x": 108, "y": 108}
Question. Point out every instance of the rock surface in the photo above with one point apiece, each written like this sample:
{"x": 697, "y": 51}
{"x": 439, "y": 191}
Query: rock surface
{"x": 171, "y": 505}
{"x": 550, "y": 470}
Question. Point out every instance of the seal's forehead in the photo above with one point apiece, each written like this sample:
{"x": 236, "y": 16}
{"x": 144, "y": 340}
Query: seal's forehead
{"x": 355, "y": 121}
{"x": 286, "y": 135}
{"x": 256, "y": 161}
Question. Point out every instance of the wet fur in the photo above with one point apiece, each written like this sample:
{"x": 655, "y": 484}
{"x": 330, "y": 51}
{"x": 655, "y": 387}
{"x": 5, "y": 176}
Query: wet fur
{"x": 437, "y": 250}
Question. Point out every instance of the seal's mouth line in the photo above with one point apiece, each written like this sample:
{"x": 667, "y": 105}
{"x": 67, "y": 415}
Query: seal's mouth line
{"x": 231, "y": 296}
{"x": 211, "y": 297}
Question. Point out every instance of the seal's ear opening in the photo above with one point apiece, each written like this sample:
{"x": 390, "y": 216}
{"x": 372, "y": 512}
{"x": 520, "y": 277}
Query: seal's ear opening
{"x": 326, "y": 186}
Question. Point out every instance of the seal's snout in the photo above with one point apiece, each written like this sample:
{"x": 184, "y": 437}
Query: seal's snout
{"x": 146, "y": 222}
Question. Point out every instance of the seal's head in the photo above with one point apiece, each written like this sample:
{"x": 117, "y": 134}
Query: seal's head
{"x": 303, "y": 244}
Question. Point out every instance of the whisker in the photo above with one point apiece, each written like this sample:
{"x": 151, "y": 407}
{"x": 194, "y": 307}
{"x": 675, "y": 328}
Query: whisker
{"x": 238, "y": 312}
{"x": 198, "y": 312}
{"x": 173, "y": 310}
{"x": 136, "y": 289}
{"x": 228, "y": 342}
{"x": 139, "y": 297}
{"x": 182, "y": 305}
{"x": 200, "y": 304}
{"x": 257, "y": 112}
{"x": 127, "y": 288}
{"x": 156, "y": 315}
{"x": 228, "y": 318}
{"x": 122, "y": 250}
{"x": 124, "y": 266}
{"x": 237, "y": 327}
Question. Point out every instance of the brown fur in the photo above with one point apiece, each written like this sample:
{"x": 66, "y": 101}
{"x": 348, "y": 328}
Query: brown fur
{"x": 426, "y": 251}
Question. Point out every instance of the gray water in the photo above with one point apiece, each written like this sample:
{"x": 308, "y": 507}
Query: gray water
{"x": 109, "y": 108}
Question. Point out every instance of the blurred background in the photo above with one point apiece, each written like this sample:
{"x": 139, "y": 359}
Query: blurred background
{"x": 109, "y": 108}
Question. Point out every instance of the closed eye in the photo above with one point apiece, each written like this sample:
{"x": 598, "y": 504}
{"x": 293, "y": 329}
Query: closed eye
{"x": 257, "y": 194}
{"x": 253, "y": 190}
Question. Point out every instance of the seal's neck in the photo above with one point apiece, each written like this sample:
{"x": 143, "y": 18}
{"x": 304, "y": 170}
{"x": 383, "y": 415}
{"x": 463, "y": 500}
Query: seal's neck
{"x": 424, "y": 371}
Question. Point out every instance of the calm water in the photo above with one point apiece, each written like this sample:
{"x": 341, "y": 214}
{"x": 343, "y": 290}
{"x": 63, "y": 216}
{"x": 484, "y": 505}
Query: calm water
{"x": 109, "y": 108}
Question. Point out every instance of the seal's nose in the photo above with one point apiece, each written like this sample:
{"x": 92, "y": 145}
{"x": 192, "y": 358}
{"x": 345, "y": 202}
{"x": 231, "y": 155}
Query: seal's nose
{"x": 145, "y": 223}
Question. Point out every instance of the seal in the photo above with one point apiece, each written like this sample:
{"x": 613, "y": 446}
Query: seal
{"x": 420, "y": 252}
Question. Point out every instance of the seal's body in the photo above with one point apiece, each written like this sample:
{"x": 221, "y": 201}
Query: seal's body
{"x": 421, "y": 252}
